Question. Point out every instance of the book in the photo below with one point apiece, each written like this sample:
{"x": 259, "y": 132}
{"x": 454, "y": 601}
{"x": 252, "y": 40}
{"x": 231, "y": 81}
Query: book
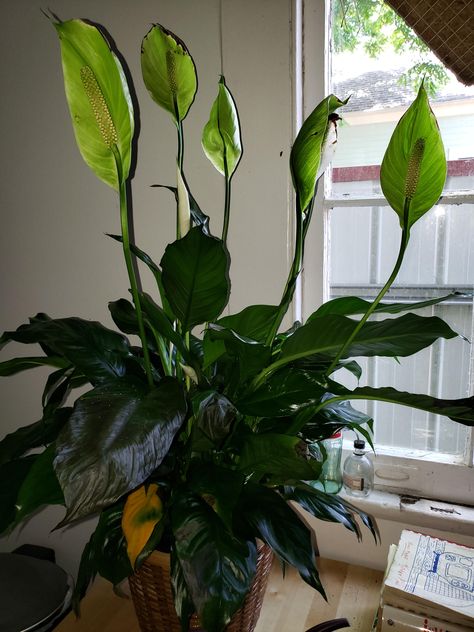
{"x": 432, "y": 577}
{"x": 397, "y": 620}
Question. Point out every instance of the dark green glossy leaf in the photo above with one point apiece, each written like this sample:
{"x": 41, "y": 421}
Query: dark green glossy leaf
{"x": 16, "y": 365}
{"x": 105, "y": 554}
{"x": 348, "y": 305}
{"x": 284, "y": 393}
{"x": 195, "y": 278}
{"x": 57, "y": 387}
{"x": 12, "y": 475}
{"x": 221, "y": 139}
{"x": 414, "y": 165}
{"x": 219, "y": 486}
{"x": 218, "y": 568}
{"x": 215, "y": 415}
{"x": 305, "y": 157}
{"x": 252, "y": 322}
{"x": 117, "y": 435}
{"x": 168, "y": 71}
{"x": 250, "y": 355}
{"x": 330, "y": 419}
{"x": 268, "y": 516}
{"x": 125, "y": 317}
{"x": 182, "y": 599}
{"x": 278, "y": 456}
{"x": 331, "y": 508}
{"x": 35, "y": 435}
{"x": 460, "y": 410}
{"x": 199, "y": 218}
{"x": 99, "y": 353}
{"x": 99, "y": 100}
{"x": 40, "y": 487}
{"x": 394, "y": 337}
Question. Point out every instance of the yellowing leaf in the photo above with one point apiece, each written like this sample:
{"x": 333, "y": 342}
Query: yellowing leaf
{"x": 142, "y": 512}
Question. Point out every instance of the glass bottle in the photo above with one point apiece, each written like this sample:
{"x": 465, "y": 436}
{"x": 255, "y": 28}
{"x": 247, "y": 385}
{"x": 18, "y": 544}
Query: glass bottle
{"x": 330, "y": 479}
{"x": 358, "y": 471}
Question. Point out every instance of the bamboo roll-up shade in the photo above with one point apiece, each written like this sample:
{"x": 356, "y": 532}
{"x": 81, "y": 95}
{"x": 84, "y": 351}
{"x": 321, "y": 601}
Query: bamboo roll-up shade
{"x": 447, "y": 27}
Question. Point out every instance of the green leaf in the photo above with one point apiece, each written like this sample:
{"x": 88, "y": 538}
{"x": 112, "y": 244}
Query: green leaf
{"x": 252, "y": 322}
{"x": 278, "y": 456}
{"x": 35, "y": 435}
{"x": 305, "y": 157}
{"x": 331, "y": 418}
{"x": 349, "y": 305}
{"x": 393, "y": 337}
{"x": 168, "y": 71}
{"x": 182, "y": 599}
{"x": 196, "y": 278}
{"x": 214, "y": 416}
{"x": 16, "y": 365}
{"x": 159, "y": 321}
{"x": 267, "y": 516}
{"x": 250, "y": 355}
{"x": 284, "y": 393}
{"x": 460, "y": 410}
{"x": 40, "y": 487}
{"x": 99, "y": 100}
{"x": 221, "y": 138}
{"x": 414, "y": 165}
{"x": 105, "y": 553}
{"x": 219, "y": 486}
{"x": 12, "y": 475}
{"x": 330, "y": 508}
{"x": 117, "y": 435}
{"x": 218, "y": 567}
{"x": 98, "y": 352}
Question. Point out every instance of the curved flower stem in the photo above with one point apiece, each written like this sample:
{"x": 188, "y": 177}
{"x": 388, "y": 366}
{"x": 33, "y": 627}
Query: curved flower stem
{"x": 403, "y": 245}
{"x": 292, "y": 276}
{"x": 132, "y": 277}
{"x": 225, "y": 227}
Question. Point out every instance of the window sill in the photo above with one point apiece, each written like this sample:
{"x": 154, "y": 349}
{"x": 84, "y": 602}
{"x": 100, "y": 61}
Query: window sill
{"x": 418, "y": 512}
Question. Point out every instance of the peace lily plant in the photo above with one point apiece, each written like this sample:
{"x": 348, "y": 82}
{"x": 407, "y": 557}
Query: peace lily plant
{"x": 197, "y": 439}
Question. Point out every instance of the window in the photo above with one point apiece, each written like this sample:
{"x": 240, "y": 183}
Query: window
{"x": 358, "y": 242}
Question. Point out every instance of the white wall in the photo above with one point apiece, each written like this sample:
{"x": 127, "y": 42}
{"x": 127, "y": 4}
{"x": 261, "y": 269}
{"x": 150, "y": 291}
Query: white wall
{"x": 54, "y": 255}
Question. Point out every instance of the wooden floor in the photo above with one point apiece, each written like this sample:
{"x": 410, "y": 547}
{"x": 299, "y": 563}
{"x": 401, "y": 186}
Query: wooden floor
{"x": 290, "y": 605}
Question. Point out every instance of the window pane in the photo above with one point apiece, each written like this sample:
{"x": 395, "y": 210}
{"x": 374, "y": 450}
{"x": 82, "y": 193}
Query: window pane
{"x": 363, "y": 248}
{"x": 381, "y": 89}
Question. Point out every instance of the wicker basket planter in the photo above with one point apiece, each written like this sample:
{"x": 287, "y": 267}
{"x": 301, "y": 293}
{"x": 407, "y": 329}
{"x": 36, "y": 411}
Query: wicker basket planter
{"x": 153, "y": 599}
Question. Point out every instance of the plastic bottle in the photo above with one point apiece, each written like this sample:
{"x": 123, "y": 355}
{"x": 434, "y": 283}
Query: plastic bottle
{"x": 330, "y": 480}
{"x": 358, "y": 471}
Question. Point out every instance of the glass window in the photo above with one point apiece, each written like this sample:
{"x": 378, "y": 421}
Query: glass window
{"x": 364, "y": 233}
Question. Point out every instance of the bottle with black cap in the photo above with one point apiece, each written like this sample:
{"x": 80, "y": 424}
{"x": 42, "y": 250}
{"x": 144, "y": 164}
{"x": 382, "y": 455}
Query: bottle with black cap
{"x": 358, "y": 471}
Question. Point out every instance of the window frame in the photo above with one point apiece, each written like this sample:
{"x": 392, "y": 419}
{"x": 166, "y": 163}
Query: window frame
{"x": 416, "y": 473}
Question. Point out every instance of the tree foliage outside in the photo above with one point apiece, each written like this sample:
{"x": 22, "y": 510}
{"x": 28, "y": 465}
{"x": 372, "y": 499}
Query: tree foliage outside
{"x": 376, "y": 27}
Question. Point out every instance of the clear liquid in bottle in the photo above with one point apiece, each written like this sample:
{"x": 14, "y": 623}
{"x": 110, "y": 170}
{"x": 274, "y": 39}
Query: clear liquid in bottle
{"x": 358, "y": 471}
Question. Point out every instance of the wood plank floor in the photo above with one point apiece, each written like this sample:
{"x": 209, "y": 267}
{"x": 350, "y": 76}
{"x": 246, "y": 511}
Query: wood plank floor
{"x": 290, "y": 605}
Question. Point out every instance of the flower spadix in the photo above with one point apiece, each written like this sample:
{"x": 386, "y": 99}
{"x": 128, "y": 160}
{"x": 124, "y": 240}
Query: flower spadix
{"x": 413, "y": 169}
{"x": 307, "y": 151}
{"x": 99, "y": 100}
{"x": 168, "y": 71}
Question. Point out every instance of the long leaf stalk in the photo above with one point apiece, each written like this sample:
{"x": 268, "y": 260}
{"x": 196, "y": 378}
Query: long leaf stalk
{"x": 225, "y": 227}
{"x": 403, "y": 245}
{"x": 292, "y": 275}
{"x": 133, "y": 279}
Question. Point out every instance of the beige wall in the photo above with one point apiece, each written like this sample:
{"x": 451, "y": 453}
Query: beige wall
{"x": 54, "y": 255}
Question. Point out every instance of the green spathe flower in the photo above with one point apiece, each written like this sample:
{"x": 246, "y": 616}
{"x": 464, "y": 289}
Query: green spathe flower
{"x": 99, "y": 100}
{"x": 168, "y": 71}
{"x": 413, "y": 170}
{"x": 221, "y": 139}
{"x": 305, "y": 157}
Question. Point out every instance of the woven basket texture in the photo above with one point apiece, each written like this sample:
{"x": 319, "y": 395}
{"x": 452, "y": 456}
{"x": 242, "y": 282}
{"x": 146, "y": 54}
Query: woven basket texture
{"x": 447, "y": 27}
{"x": 150, "y": 587}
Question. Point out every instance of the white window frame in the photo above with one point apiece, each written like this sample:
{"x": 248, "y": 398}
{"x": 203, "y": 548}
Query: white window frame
{"x": 416, "y": 473}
